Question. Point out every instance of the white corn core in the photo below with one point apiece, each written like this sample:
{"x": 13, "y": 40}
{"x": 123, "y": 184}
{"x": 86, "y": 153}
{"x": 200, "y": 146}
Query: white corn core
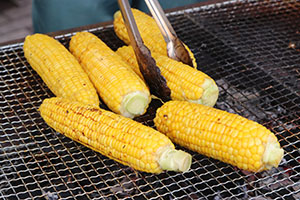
{"x": 134, "y": 104}
{"x": 174, "y": 160}
{"x": 210, "y": 93}
{"x": 273, "y": 153}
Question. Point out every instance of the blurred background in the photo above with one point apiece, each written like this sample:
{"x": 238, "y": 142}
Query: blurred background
{"x": 53, "y": 15}
{"x": 15, "y": 19}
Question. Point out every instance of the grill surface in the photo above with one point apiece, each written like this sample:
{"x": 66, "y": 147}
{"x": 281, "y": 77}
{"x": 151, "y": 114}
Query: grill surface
{"x": 248, "y": 47}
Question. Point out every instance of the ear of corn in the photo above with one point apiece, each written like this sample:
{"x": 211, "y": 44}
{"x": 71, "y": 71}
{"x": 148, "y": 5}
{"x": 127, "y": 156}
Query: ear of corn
{"x": 114, "y": 136}
{"x": 59, "y": 69}
{"x": 149, "y": 31}
{"x": 185, "y": 83}
{"x": 221, "y": 135}
{"x": 119, "y": 87}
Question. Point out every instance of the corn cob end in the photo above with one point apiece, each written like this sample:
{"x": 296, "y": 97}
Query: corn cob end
{"x": 174, "y": 160}
{"x": 134, "y": 104}
{"x": 210, "y": 93}
{"x": 273, "y": 154}
{"x": 116, "y": 14}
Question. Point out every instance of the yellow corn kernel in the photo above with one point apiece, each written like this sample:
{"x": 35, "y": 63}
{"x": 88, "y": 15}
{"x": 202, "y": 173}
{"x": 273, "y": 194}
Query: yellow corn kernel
{"x": 119, "y": 87}
{"x": 149, "y": 31}
{"x": 137, "y": 147}
{"x": 252, "y": 152}
{"x": 185, "y": 82}
{"x": 59, "y": 69}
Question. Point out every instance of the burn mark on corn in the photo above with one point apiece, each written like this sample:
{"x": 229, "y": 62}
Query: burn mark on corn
{"x": 95, "y": 110}
{"x": 166, "y": 116}
{"x": 82, "y": 133}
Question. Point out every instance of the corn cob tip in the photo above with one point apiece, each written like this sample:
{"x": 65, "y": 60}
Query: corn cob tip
{"x": 134, "y": 104}
{"x": 210, "y": 93}
{"x": 117, "y": 13}
{"x": 273, "y": 154}
{"x": 175, "y": 160}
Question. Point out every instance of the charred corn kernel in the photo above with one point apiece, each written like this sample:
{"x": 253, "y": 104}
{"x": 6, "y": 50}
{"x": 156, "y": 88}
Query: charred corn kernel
{"x": 114, "y": 136}
{"x": 59, "y": 69}
{"x": 254, "y": 148}
{"x": 185, "y": 82}
{"x": 149, "y": 31}
{"x": 119, "y": 87}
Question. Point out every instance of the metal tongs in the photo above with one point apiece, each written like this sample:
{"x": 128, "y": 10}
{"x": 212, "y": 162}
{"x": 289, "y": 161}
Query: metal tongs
{"x": 147, "y": 64}
{"x": 175, "y": 47}
{"x": 151, "y": 73}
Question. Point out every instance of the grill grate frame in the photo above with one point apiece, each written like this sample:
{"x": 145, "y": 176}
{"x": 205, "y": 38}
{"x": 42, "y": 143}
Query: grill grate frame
{"x": 243, "y": 45}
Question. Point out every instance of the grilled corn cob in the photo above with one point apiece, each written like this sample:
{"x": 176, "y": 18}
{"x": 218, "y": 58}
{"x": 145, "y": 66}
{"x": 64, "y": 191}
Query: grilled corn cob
{"x": 149, "y": 31}
{"x": 114, "y": 136}
{"x": 220, "y": 135}
{"x": 59, "y": 69}
{"x": 185, "y": 83}
{"x": 117, "y": 84}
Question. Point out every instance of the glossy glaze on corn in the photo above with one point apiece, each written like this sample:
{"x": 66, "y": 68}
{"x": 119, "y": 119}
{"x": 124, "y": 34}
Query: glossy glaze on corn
{"x": 59, "y": 69}
{"x": 186, "y": 83}
{"x": 149, "y": 31}
{"x": 221, "y": 135}
{"x": 114, "y": 136}
{"x": 117, "y": 84}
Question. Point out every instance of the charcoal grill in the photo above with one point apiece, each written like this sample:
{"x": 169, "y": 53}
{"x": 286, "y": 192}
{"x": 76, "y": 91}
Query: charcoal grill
{"x": 248, "y": 47}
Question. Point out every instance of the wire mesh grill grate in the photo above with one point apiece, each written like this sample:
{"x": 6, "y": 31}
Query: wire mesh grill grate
{"x": 246, "y": 46}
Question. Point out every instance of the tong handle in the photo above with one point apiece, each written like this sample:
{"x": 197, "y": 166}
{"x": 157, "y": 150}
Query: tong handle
{"x": 147, "y": 65}
{"x": 133, "y": 33}
{"x": 175, "y": 48}
{"x": 161, "y": 20}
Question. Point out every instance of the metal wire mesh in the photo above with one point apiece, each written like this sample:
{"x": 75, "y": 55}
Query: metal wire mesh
{"x": 248, "y": 47}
